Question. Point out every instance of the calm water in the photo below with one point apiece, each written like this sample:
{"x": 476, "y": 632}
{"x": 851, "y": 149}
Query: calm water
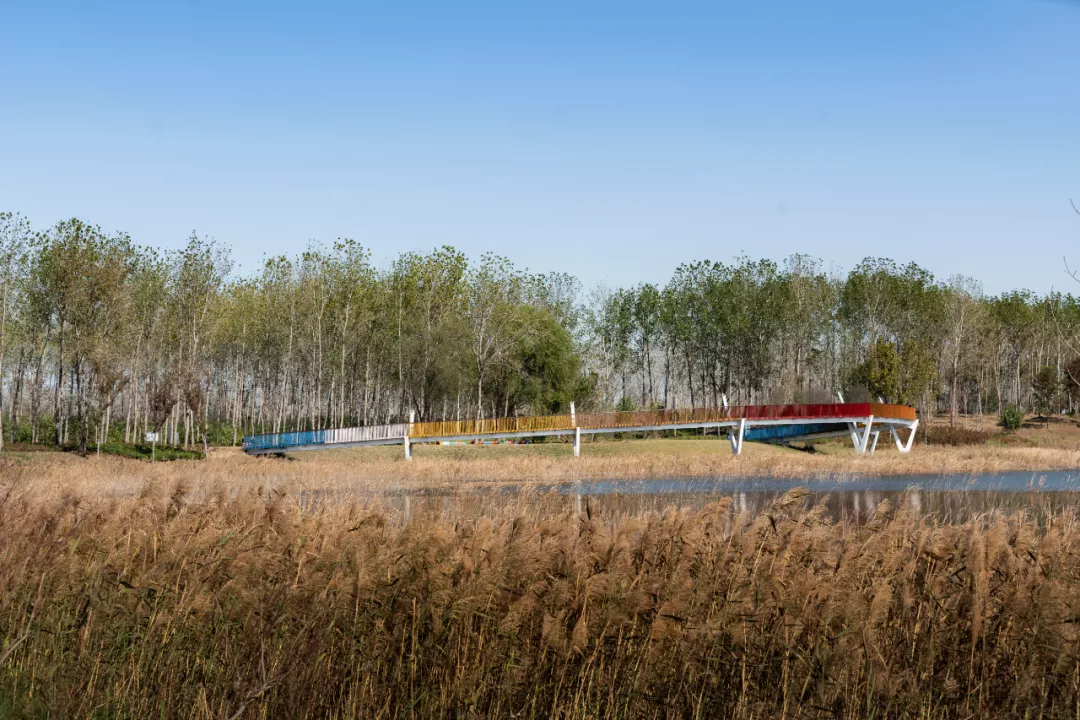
{"x": 948, "y": 497}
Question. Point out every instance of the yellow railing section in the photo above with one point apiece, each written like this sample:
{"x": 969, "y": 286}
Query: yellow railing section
{"x": 490, "y": 426}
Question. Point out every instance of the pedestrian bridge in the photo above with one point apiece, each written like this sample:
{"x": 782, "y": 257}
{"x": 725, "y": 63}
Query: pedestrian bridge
{"x": 863, "y": 422}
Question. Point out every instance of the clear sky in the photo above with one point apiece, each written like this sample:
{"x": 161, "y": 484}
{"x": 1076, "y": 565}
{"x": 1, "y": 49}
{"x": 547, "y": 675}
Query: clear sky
{"x": 613, "y": 140}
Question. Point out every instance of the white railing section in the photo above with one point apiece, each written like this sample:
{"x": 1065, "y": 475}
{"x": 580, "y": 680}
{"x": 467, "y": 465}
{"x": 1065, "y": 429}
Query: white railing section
{"x": 364, "y": 434}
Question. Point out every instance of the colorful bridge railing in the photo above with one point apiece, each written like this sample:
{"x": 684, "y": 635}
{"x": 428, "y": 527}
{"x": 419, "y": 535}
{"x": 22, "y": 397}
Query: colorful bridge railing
{"x": 758, "y": 422}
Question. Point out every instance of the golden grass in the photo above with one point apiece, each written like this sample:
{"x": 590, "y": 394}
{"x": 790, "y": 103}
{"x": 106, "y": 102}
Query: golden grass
{"x": 159, "y": 605}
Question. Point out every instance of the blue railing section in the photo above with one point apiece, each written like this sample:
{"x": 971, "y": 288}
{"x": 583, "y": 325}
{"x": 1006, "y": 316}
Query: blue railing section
{"x": 367, "y": 434}
{"x": 285, "y": 440}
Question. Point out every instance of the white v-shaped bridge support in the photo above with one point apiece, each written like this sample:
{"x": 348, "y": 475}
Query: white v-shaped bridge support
{"x": 735, "y": 435}
{"x": 901, "y": 446}
{"x": 861, "y": 440}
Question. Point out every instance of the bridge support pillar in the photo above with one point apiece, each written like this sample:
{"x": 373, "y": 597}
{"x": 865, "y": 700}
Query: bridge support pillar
{"x": 577, "y": 442}
{"x": 904, "y": 447}
{"x": 862, "y": 440}
{"x": 735, "y": 435}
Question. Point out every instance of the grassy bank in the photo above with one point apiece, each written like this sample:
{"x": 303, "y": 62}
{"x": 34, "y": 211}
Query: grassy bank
{"x": 980, "y": 450}
{"x": 158, "y": 606}
{"x": 375, "y": 469}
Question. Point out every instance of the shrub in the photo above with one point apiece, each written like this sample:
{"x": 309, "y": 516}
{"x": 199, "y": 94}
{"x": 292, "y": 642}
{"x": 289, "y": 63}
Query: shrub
{"x": 140, "y": 451}
{"x": 1012, "y": 417}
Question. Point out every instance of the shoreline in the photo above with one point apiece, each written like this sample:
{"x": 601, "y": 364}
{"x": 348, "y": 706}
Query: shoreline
{"x": 458, "y": 467}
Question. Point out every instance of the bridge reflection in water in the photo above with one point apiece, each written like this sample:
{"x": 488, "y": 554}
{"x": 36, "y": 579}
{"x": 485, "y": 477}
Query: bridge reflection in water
{"x": 945, "y": 498}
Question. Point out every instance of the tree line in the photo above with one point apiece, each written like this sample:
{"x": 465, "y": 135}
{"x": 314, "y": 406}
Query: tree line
{"x": 102, "y": 339}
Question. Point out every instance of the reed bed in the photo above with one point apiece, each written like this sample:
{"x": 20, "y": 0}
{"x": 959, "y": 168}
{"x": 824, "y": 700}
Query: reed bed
{"x": 253, "y": 604}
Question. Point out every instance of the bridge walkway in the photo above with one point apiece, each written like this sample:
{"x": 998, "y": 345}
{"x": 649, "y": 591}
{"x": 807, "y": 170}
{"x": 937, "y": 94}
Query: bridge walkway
{"x": 862, "y": 422}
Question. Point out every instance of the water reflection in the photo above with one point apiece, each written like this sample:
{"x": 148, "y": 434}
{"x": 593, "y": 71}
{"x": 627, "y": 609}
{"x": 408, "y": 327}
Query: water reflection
{"x": 860, "y": 505}
{"x": 945, "y": 498}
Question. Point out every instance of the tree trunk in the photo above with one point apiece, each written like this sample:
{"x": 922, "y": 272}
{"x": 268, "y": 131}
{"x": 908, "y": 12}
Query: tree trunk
{"x": 59, "y": 384}
{"x": 954, "y": 391}
{"x": 15, "y": 397}
{"x": 81, "y": 410}
{"x": 480, "y": 396}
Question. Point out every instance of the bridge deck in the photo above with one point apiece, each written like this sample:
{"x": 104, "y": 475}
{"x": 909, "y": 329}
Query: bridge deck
{"x": 761, "y": 423}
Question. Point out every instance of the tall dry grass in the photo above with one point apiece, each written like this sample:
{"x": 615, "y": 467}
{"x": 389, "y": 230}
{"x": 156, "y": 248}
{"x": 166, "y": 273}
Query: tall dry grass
{"x": 252, "y": 605}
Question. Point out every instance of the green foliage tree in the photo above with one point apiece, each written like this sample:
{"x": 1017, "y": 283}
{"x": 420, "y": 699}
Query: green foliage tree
{"x": 615, "y": 330}
{"x": 1071, "y": 379}
{"x": 1014, "y": 315}
{"x": 103, "y": 327}
{"x": 918, "y": 371}
{"x": 1012, "y": 417}
{"x": 645, "y": 313}
{"x": 545, "y": 375}
{"x": 78, "y": 288}
{"x": 494, "y": 294}
{"x": 14, "y": 241}
{"x": 1046, "y": 385}
{"x": 880, "y": 373}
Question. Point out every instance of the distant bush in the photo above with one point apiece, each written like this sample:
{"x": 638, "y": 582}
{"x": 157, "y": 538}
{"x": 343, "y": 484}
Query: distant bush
{"x": 1012, "y": 417}
{"x": 955, "y": 436}
{"x": 143, "y": 452}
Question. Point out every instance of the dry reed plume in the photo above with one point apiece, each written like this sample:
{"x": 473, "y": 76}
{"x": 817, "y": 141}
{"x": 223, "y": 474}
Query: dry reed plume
{"x": 253, "y": 606}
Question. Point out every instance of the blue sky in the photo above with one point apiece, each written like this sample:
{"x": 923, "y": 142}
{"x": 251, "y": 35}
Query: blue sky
{"x": 610, "y": 140}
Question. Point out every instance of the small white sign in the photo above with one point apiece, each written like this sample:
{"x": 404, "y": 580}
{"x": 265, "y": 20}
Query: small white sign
{"x": 152, "y": 437}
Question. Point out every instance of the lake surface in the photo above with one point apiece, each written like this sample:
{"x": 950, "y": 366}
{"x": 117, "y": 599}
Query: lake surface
{"x": 953, "y": 498}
